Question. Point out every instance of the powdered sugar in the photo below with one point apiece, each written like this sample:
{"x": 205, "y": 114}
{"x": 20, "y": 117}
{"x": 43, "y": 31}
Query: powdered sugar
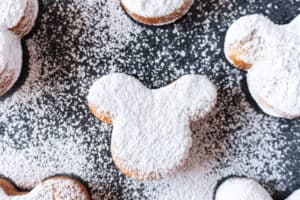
{"x": 273, "y": 52}
{"x": 294, "y": 196}
{"x": 217, "y": 153}
{"x": 245, "y": 189}
{"x": 27, "y": 20}
{"x": 294, "y": 27}
{"x": 153, "y": 8}
{"x": 60, "y": 188}
{"x": 147, "y": 136}
{"x": 47, "y": 129}
{"x": 10, "y": 60}
{"x": 10, "y": 52}
{"x": 10, "y": 44}
{"x": 156, "y": 13}
{"x": 241, "y": 189}
{"x": 11, "y": 12}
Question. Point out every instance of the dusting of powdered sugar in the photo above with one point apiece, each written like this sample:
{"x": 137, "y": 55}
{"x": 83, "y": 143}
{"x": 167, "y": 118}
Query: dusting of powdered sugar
{"x": 11, "y": 12}
{"x": 236, "y": 188}
{"x": 10, "y": 60}
{"x": 46, "y": 127}
{"x": 217, "y": 153}
{"x": 274, "y": 53}
{"x": 54, "y": 188}
{"x": 294, "y": 26}
{"x": 241, "y": 189}
{"x": 294, "y": 196}
{"x": 153, "y": 8}
{"x": 10, "y": 44}
{"x": 151, "y": 117}
{"x": 10, "y": 52}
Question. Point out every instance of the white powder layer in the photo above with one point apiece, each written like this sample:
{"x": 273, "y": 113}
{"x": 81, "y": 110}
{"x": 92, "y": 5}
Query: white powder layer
{"x": 52, "y": 189}
{"x": 274, "y": 52}
{"x": 10, "y": 45}
{"x": 245, "y": 189}
{"x": 10, "y": 51}
{"x": 294, "y": 26}
{"x": 153, "y": 8}
{"x": 47, "y": 129}
{"x": 216, "y": 155}
{"x": 241, "y": 189}
{"x": 10, "y": 60}
{"x": 11, "y": 12}
{"x": 294, "y": 196}
{"x": 152, "y": 127}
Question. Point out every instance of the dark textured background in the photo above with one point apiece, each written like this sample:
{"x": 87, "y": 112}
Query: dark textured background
{"x": 54, "y": 32}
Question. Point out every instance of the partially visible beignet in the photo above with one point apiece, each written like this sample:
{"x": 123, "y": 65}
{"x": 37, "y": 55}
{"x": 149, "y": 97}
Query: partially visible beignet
{"x": 271, "y": 55}
{"x": 10, "y": 60}
{"x": 18, "y": 16}
{"x": 156, "y": 13}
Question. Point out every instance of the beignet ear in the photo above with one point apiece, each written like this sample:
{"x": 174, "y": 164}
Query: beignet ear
{"x": 243, "y": 41}
{"x": 241, "y": 189}
{"x": 185, "y": 91}
{"x": 112, "y": 93}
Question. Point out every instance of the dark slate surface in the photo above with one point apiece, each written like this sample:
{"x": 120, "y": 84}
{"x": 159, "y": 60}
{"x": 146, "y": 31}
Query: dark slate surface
{"x": 58, "y": 46}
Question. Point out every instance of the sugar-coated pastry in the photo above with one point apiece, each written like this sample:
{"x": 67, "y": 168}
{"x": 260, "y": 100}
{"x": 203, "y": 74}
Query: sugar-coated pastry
{"x": 151, "y": 136}
{"x": 57, "y": 188}
{"x": 246, "y": 189}
{"x": 156, "y": 12}
{"x": 271, "y": 55}
{"x": 16, "y": 20}
{"x": 10, "y": 60}
{"x": 241, "y": 189}
{"x": 18, "y": 16}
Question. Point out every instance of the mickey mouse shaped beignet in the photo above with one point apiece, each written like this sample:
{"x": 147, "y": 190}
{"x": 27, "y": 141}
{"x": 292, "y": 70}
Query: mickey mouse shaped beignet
{"x": 151, "y": 136}
{"x": 245, "y": 189}
{"x": 57, "y": 188}
{"x": 16, "y": 20}
{"x": 271, "y": 55}
{"x": 156, "y": 12}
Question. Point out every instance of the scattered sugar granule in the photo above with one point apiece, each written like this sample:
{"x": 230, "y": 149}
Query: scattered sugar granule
{"x": 47, "y": 129}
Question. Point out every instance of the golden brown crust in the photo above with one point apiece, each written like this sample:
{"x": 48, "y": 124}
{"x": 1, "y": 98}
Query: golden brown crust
{"x": 10, "y": 189}
{"x": 105, "y": 117}
{"x": 156, "y": 21}
{"x": 237, "y": 53}
{"x": 239, "y": 63}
